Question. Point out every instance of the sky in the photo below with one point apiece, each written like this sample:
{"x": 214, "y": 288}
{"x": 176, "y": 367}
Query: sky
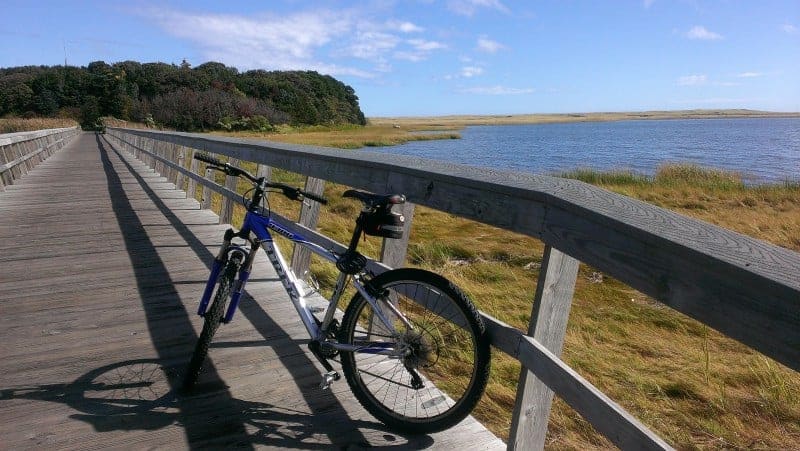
{"x": 441, "y": 57}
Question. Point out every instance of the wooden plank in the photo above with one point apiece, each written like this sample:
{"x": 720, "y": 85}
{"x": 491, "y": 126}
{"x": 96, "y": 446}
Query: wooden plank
{"x": 191, "y": 186}
{"x": 226, "y": 211}
{"x": 393, "y": 251}
{"x": 7, "y": 139}
{"x": 309, "y": 215}
{"x": 180, "y": 179}
{"x": 205, "y": 201}
{"x": 548, "y": 326}
{"x": 605, "y": 415}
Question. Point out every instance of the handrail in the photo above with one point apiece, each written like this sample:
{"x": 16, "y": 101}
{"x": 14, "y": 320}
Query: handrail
{"x": 746, "y": 288}
{"x": 21, "y": 151}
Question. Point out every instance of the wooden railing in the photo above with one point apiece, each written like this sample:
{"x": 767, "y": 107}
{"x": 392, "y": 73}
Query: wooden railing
{"x": 21, "y": 152}
{"x": 742, "y": 287}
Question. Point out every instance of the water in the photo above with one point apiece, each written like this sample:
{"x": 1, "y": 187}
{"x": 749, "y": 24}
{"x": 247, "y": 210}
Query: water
{"x": 762, "y": 149}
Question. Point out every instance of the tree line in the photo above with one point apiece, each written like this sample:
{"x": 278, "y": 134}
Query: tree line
{"x": 209, "y": 96}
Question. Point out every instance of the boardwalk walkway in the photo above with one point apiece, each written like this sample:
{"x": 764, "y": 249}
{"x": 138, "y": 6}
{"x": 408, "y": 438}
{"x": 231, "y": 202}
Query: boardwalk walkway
{"x": 101, "y": 265}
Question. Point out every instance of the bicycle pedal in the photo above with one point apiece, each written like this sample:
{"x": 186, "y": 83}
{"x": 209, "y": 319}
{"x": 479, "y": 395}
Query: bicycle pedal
{"x": 328, "y": 378}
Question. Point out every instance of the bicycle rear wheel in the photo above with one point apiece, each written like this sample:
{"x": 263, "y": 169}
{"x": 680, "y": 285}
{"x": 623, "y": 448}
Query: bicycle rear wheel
{"x": 212, "y": 319}
{"x": 444, "y": 343}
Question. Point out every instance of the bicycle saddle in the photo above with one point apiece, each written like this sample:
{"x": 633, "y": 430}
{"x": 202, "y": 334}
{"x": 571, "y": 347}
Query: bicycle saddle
{"x": 375, "y": 200}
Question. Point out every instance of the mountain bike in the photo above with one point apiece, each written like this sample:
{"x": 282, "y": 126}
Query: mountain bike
{"x": 412, "y": 346}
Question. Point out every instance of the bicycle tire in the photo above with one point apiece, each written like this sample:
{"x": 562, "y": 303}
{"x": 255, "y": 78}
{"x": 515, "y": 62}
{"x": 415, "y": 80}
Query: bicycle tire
{"x": 448, "y": 338}
{"x": 213, "y": 317}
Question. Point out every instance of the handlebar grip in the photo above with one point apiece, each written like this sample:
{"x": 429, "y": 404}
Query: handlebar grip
{"x": 207, "y": 159}
{"x": 315, "y": 197}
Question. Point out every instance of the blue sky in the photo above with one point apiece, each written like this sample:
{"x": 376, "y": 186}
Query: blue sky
{"x": 436, "y": 57}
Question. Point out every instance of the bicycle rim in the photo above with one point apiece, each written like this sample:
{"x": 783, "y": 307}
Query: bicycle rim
{"x": 444, "y": 345}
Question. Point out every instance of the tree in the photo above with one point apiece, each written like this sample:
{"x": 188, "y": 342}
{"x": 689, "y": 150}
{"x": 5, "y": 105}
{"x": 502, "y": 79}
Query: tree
{"x": 15, "y": 94}
{"x": 90, "y": 113}
{"x": 179, "y": 96}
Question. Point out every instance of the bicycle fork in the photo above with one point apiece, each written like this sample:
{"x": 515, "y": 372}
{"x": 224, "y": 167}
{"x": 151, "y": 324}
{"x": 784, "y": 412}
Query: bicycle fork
{"x": 244, "y": 260}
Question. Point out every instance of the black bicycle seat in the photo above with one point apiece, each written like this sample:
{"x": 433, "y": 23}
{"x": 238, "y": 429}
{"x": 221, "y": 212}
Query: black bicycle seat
{"x": 374, "y": 200}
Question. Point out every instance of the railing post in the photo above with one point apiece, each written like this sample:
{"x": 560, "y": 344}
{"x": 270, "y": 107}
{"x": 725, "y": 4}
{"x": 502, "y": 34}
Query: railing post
{"x": 22, "y": 149}
{"x": 158, "y": 150}
{"x": 264, "y": 171}
{"x": 205, "y": 201}
{"x": 6, "y": 177}
{"x": 548, "y": 326}
{"x": 172, "y": 156}
{"x": 226, "y": 211}
{"x": 393, "y": 251}
{"x": 191, "y": 187}
{"x": 179, "y": 152}
{"x": 309, "y": 215}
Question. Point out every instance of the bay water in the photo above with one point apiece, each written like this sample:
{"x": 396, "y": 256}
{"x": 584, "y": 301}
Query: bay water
{"x": 763, "y": 150}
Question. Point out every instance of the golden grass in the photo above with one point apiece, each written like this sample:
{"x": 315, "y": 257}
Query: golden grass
{"x": 13, "y": 125}
{"x": 690, "y": 384}
{"x": 693, "y": 386}
{"x": 515, "y": 119}
{"x": 349, "y": 136}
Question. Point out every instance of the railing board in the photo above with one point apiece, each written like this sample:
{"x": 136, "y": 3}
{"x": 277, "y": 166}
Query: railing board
{"x": 605, "y": 415}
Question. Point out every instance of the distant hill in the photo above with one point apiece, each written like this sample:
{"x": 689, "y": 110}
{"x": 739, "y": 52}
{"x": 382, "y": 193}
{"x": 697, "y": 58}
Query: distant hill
{"x": 209, "y": 96}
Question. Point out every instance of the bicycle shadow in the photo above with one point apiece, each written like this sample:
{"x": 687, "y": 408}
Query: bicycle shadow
{"x": 137, "y": 395}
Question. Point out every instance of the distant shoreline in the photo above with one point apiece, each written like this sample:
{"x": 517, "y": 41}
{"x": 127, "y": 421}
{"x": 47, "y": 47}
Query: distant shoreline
{"x": 520, "y": 119}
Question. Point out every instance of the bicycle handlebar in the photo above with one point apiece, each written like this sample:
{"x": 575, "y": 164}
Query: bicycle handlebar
{"x": 291, "y": 192}
{"x": 209, "y": 160}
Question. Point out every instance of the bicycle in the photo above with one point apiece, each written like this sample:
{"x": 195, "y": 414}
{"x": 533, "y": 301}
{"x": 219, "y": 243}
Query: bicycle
{"x": 404, "y": 332}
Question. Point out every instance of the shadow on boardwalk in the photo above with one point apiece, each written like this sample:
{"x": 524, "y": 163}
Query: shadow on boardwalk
{"x": 136, "y": 395}
{"x": 211, "y": 409}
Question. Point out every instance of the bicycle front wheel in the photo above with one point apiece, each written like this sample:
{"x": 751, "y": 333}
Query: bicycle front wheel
{"x": 212, "y": 319}
{"x": 428, "y": 373}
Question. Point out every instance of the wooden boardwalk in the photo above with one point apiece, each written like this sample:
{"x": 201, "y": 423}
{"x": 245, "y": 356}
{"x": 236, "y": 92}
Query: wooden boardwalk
{"x": 101, "y": 266}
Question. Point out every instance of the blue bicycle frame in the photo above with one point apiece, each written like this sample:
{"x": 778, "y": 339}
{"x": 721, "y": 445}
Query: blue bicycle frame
{"x": 260, "y": 226}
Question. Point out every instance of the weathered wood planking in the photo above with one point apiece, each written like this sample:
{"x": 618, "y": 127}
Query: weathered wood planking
{"x": 548, "y": 326}
{"x": 21, "y": 152}
{"x": 100, "y": 275}
{"x": 746, "y": 288}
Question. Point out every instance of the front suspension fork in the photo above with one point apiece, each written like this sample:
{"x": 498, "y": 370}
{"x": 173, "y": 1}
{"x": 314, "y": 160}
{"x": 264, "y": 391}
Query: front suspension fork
{"x": 227, "y": 251}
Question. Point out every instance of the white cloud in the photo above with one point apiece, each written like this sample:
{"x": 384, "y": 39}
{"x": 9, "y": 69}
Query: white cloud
{"x": 471, "y": 71}
{"x": 420, "y": 50}
{"x": 321, "y": 40}
{"x": 422, "y": 45}
{"x": 750, "y": 75}
{"x": 405, "y": 27}
{"x": 496, "y": 90}
{"x": 371, "y": 44}
{"x": 470, "y": 7}
{"x": 274, "y": 42}
{"x": 692, "y": 80}
{"x": 414, "y": 57}
{"x": 699, "y": 32}
{"x": 648, "y": 3}
{"x": 487, "y": 45}
{"x": 789, "y": 28}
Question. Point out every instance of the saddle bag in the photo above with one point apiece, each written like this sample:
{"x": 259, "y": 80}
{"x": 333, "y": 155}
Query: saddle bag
{"x": 384, "y": 223}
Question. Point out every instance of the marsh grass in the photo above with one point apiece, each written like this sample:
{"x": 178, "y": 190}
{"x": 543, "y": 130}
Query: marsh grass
{"x": 14, "y": 125}
{"x": 348, "y": 136}
{"x": 690, "y": 384}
